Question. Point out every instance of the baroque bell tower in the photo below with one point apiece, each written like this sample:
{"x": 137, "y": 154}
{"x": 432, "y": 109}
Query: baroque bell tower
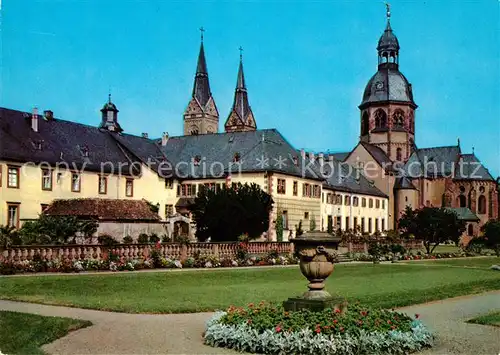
{"x": 388, "y": 109}
{"x": 201, "y": 115}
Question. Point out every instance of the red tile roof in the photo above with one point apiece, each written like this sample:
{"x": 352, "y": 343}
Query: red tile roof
{"x": 103, "y": 209}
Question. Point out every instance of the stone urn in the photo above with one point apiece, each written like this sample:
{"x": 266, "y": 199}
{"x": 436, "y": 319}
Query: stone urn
{"x": 317, "y": 252}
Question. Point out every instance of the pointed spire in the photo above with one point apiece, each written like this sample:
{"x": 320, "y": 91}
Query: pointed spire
{"x": 201, "y": 87}
{"x": 241, "y": 116}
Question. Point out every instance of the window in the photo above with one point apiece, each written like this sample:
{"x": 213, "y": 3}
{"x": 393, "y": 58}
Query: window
{"x": 178, "y": 190}
{"x": 306, "y": 190}
{"x": 355, "y": 223}
{"x": 169, "y": 210}
{"x": 169, "y": 184}
{"x": 43, "y": 207}
{"x": 281, "y": 186}
{"x": 355, "y": 201}
{"x": 363, "y": 202}
{"x": 398, "y": 118}
{"x": 338, "y": 221}
{"x": 316, "y": 191}
{"x": 383, "y": 204}
{"x": 338, "y": 199}
{"x": 347, "y": 200}
{"x": 129, "y": 187}
{"x": 323, "y": 197}
{"x": 46, "y": 179}
{"x": 380, "y": 118}
{"x": 13, "y": 215}
{"x": 470, "y": 230}
{"x": 376, "y": 224}
{"x": 295, "y": 188}
{"x": 306, "y": 215}
{"x": 186, "y": 190}
{"x": 103, "y": 185}
{"x": 347, "y": 226}
{"x": 285, "y": 219}
{"x": 13, "y": 177}
{"x": 75, "y": 182}
{"x": 399, "y": 154}
{"x": 382, "y": 222}
{"x": 377, "y": 203}
{"x": 362, "y": 224}
{"x": 462, "y": 201}
{"x": 370, "y": 203}
{"x": 369, "y": 225}
{"x": 481, "y": 205}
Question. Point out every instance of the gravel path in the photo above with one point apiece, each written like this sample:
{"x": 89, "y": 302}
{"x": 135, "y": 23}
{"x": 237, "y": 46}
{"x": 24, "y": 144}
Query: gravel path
{"x": 120, "y": 333}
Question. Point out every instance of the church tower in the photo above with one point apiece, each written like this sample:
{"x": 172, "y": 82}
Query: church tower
{"x": 201, "y": 115}
{"x": 109, "y": 117}
{"x": 388, "y": 109}
{"x": 241, "y": 116}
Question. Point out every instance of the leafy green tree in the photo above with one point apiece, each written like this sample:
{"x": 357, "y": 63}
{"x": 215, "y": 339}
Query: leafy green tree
{"x": 279, "y": 226}
{"x": 225, "y": 214}
{"x": 8, "y": 236}
{"x": 431, "y": 225}
{"x": 312, "y": 222}
{"x": 491, "y": 235}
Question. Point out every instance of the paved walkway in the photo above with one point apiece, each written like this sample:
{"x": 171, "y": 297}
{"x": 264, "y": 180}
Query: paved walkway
{"x": 120, "y": 333}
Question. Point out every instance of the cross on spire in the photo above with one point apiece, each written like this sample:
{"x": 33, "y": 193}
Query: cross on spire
{"x": 201, "y": 31}
{"x": 241, "y": 53}
{"x": 388, "y": 12}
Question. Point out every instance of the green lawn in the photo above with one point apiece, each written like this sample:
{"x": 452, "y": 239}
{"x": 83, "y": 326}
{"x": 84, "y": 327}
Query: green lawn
{"x": 386, "y": 285}
{"x": 477, "y": 262}
{"x": 488, "y": 319}
{"x": 22, "y": 333}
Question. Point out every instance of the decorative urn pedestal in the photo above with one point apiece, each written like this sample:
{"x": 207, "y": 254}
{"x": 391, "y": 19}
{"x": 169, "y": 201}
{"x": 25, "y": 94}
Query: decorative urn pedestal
{"x": 317, "y": 252}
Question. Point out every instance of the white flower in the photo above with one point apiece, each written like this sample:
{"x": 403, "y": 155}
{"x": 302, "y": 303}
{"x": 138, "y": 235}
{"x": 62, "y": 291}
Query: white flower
{"x": 208, "y": 264}
{"x": 272, "y": 261}
{"x": 112, "y": 266}
{"x": 234, "y": 263}
{"x": 78, "y": 265}
{"x": 178, "y": 264}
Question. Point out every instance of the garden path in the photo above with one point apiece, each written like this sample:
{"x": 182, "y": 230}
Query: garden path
{"x": 120, "y": 333}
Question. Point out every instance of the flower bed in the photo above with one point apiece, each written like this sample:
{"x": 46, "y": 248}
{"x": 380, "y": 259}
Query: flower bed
{"x": 414, "y": 256}
{"x": 268, "y": 329}
{"x": 116, "y": 263}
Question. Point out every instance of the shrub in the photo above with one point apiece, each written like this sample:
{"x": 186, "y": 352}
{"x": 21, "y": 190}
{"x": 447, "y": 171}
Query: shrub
{"x": 107, "y": 240}
{"x": 165, "y": 239}
{"x": 143, "y": 238}
{"x": 128, "y": 239}
{"x": 267, "y": 328}
{"x": 153, "y": 238}
{"x": 242, "y": 251}
{"x": 476, "y": 245}
{"x": 397, "y": 248}
{"x": 279, "y": 226}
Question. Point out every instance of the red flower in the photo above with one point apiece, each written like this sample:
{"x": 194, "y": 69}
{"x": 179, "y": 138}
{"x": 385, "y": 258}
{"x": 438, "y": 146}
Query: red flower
{"x": 337, "y": 310}
{"x": 158, "y": 245}
{"x": 318, "y": 330}
{"x": 388, "y": 322}
{"x": 364, "y": 313}
{"x": 341, "y": 329}
{"x": 393, "y": 327}
{"x": 417, "y": 315}
{"x": 249, "y": 321}
{"x": 335, "y": 321}
{"x": 278, "y": 328}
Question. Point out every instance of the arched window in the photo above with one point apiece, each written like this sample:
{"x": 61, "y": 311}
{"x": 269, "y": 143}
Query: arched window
{"x": 364, "y": 124}
{"x": 380, "y": 118}
{"x": 470, "y": 230}
{"x": 462, "y": 201}
{"x": 399, "y": 154}
{"x": 481, "y": 205}
{"x": 398, "y": 118}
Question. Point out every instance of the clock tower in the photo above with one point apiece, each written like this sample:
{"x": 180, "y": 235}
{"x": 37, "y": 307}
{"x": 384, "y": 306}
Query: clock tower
{"x": 388, "y": 109}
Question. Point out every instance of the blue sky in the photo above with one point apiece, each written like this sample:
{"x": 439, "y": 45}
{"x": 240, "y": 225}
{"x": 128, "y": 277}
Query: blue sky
{"x": 306, "y": 64}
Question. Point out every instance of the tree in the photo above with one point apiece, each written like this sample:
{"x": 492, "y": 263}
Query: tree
{"x": 279, "y": 226}
{"x": 329, "y": 227}
{"x": 225, "y": 214}
{"x": 298, "y": 229}
{"x": 432, "y": 225}
{"x": 491, "y": 235}
{"x": 312, "y": 223}
{"x": 8, "y": 236}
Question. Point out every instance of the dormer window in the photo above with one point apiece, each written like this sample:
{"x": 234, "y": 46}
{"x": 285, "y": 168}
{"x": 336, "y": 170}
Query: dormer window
{"x": 236, "y": 157}
{"x": 37, "y": 144}
{"x": 196, "y": 160}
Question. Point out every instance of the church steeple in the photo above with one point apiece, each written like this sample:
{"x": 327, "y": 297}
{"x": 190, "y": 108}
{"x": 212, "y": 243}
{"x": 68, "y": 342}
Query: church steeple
{"x": 388, "y": 45}
{"x": 109, "y": 117}
{"x": 201, "y": 115}
{"x": 241, "y": 116}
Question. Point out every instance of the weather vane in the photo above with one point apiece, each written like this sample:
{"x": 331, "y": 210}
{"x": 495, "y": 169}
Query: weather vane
{"x": 241, "y": 52}
{"x": 388, "y": 7}
{"x": 202, "y": 30}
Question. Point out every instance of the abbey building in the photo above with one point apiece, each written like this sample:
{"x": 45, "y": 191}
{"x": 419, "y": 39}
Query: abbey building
{"x": 43, "y": 159}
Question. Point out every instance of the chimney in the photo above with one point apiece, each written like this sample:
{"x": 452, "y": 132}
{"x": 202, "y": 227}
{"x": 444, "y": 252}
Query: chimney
{"x": 311, "y": 156}
{"x": 331, "y": 158}
{"x": 321, "y": 158}
{"x": 34, "y": 120}
{"x": 48, "y": 115}
{"x": 164, "y": 139}
{"x": 144, "y": 135}
{"x": 303, "y": 153}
